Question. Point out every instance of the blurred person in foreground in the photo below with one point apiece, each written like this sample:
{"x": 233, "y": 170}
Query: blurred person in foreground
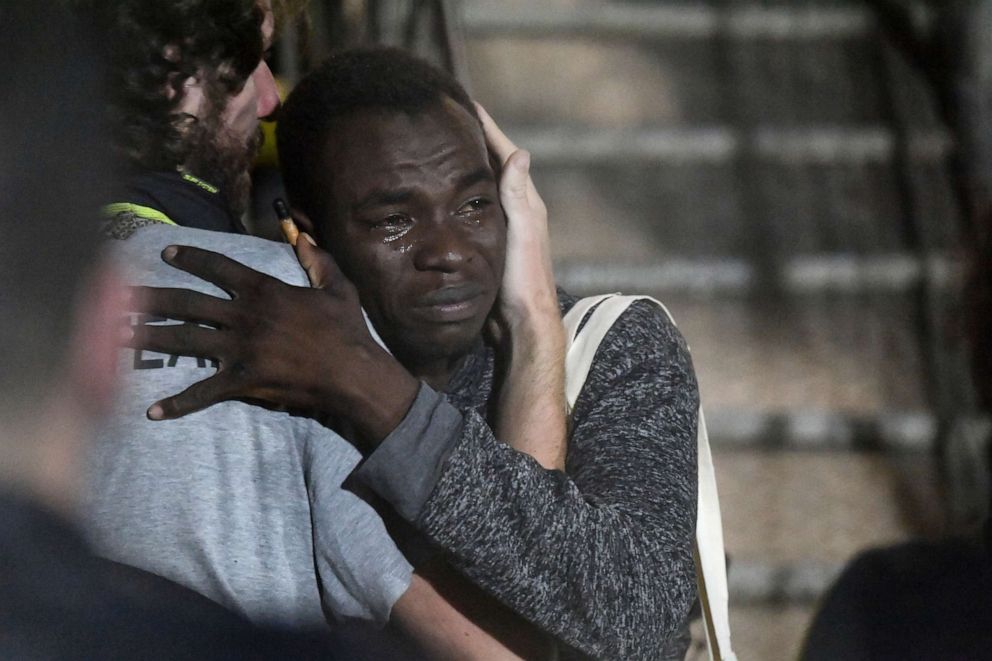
{"x": 441, "y": 238}
{"x": 242, "y": 504}
{"x": 60, "y": 308}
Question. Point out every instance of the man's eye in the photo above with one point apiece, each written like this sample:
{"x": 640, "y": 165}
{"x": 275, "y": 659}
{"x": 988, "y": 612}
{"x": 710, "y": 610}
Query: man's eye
{"x": 391, "y": 222}
{"x": 474, "y": 206}
{"x": 392, "y": 227}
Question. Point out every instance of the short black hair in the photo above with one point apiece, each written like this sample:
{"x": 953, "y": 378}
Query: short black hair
{"x": 347, "y": 83}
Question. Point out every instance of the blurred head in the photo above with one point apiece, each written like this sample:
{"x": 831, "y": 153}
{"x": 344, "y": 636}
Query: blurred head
{"x": 189, "y": 84}
{"x": 59, "y": 307}
{"x": 386, "y": 156}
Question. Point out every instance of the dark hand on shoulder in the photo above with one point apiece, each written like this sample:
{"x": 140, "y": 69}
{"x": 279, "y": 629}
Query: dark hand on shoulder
{"x": 288, "y": 347}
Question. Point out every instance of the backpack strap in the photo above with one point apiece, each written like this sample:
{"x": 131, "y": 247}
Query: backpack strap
{"x": 708, "y": 550}
{"x": 579, "y": 351}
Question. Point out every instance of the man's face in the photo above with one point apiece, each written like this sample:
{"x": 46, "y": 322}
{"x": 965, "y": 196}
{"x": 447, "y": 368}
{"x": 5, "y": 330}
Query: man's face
{"x": 225, "y": 141}
{"x": 417, "y": 225}
{"x": 259, "y": 96}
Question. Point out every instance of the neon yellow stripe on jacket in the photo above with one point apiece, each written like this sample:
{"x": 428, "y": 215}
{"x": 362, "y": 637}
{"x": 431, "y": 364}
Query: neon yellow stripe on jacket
{"x": 210, "y": 188}
{"x": 138, "y": 210}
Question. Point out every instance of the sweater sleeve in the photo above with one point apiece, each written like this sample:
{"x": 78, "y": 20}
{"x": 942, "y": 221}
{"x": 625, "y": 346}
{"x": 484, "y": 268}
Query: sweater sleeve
{"x": 600, "y": 556}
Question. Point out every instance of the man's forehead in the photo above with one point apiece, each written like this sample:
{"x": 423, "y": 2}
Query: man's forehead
{"x": 450, "y": 117}
{"x": 443, "y": 134}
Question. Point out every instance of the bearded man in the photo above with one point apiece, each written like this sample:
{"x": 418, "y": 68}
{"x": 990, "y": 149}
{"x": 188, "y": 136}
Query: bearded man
{"x": 187, "y": 117}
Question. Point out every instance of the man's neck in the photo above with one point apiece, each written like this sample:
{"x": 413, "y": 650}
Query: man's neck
{"x": 436, "y": 373}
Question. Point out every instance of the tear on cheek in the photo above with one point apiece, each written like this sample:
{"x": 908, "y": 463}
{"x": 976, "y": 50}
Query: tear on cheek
{"x": 393, "y": 240}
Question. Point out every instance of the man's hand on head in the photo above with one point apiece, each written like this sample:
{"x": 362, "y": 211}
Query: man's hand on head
{"x": 531, "y": 412}
{"x": 527, "y": 295}
{"x": 303, "y": 348}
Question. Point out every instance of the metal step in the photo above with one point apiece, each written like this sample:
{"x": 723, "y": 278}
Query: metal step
{"x": 822, "y": 371}
{"x": 790, "y": 529}
{"x": 684, "y": 20}
{"x": 828, "y": 145}
{"x": 761, "y": 583}
{"x": 801, "y": 274}
{"x": 651, "y": 212}
{"x": 890, "y": 432}
{"x": 615, "y": 81}
{"x": 793, "y": 519}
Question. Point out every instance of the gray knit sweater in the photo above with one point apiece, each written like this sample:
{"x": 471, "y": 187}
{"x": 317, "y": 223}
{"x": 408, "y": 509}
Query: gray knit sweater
{"x": 600, "y": 555}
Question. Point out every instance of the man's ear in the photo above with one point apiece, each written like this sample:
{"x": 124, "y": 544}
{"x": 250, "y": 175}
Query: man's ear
{"x": 192, "y": 101}
{"x": 92, "y": 357}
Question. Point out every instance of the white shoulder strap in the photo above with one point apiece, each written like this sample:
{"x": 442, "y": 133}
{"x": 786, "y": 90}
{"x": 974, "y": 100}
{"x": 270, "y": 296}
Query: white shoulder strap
{"x": 581, "y": 350}
{"x": 711, "y": 566}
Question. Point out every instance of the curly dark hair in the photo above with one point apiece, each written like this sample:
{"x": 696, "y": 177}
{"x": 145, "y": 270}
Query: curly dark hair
{"x": 154, "y": 45}
{"x": 347, "y": 83}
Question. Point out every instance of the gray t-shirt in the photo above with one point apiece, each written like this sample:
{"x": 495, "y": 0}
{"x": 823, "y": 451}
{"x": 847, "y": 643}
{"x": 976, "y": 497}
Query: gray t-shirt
{"x": 242, "y": 504}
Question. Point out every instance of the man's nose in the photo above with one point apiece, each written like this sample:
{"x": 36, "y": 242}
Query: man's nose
{"x": 268, "y": 93}
{"x": 441, "y": 248}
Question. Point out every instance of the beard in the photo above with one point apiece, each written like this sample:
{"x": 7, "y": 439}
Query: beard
{"x": 221, "y": 157}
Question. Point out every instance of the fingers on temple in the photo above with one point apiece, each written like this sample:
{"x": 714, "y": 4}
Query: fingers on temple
{"x": 516, "y": 175}
{"x": 182, "y": 304}
{"x": 506, "y": 151}
{"x": 231, "y": 276}
{"x": 495, "y": 137}
{"x": 178, "y": 340}
{"x": 202, "y": 394}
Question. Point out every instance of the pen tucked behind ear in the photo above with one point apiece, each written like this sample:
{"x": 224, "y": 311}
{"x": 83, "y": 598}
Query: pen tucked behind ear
{"x": 286, "y": 224}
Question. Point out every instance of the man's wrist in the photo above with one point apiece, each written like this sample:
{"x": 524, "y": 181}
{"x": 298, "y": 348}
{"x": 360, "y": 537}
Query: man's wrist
{"x": 533, "y": 316}
{"x": 406, "y": 466}
{"x": 537, "y": 336}
{"x": 379, "y": 400}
